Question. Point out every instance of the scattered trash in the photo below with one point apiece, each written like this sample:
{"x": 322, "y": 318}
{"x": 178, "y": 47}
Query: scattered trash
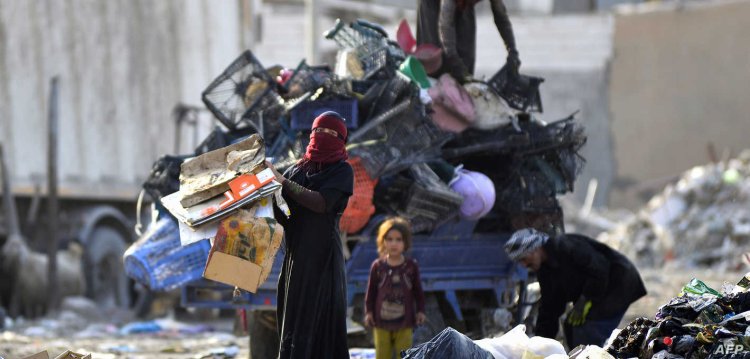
{"x": 220, "y": 353}
{"x": 700, "y": 323}
{"x": 140, "y": 328}
{"x": 121, "y": 349}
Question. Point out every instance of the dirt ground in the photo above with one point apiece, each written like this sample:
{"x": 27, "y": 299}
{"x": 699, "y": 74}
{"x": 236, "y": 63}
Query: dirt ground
{"x": 104, "y": 342}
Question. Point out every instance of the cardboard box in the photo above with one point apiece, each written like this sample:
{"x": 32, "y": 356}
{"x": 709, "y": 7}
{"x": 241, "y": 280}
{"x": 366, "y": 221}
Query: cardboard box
{"x": 233, "y": 271}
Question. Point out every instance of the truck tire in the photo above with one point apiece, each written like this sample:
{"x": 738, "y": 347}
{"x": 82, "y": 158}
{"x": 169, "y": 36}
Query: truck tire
{"x": 264, "y": 338}
{"x": 106, "y": 283}
{"x": 435, "y": 322}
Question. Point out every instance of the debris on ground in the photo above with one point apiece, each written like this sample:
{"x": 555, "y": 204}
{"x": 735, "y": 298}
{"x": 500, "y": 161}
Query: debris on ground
{"x": 702, "y": 220}
{"x": 699, "y": 323}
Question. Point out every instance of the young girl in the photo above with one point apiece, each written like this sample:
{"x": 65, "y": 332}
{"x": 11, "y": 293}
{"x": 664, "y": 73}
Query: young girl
{"x": 394, "y": 302}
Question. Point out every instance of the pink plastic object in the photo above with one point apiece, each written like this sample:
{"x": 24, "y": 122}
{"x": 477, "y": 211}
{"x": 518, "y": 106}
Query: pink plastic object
{"x": 454, "y": 109}
{"x": 284, "y": 76}
{"x": 404, "y": 37}
{"x": 478, "y": 192}
{"x": 431, "y": 56}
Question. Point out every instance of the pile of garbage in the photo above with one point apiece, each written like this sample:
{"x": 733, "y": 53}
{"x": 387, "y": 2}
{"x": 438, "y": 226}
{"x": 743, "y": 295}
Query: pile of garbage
{"x": 429, "y": 149}
{"x": 702, "y": 220}
{"x": 432, "y": 150}
{"x": 700, "y": 323}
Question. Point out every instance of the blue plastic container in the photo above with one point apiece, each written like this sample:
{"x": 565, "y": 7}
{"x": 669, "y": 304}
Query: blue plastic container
{"x": 158, "y": 260}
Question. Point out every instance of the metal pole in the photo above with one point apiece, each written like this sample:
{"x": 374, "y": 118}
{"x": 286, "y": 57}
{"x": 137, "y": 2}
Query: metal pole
{"x": 311, "y": 31}
{"x": 53, "y": 205}
{"x": 8, "y": 202}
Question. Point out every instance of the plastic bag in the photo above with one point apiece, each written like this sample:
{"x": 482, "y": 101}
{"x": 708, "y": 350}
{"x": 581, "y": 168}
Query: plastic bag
{"x": 590, "y": 352}
{"x": 545, "y": 346}
{"x": 448, "y": 344}
{"x": 511, "y": 345}
{"x": 697, "y": 287}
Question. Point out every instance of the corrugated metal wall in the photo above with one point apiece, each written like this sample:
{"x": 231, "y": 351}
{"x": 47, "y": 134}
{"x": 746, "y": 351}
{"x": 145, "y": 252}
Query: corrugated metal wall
{"x": 123, "y": 65}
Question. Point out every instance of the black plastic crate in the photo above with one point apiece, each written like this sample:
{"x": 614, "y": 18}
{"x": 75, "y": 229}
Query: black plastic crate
{"x": 520, "y": 91}
{"x": 242, "y": 90}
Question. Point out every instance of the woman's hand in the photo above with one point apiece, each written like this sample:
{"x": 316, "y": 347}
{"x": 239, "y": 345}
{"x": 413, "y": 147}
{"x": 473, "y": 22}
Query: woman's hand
{"x": 279, "y": 177}
{"x": 369, "y": 321}
{"x": 421, "y": 318}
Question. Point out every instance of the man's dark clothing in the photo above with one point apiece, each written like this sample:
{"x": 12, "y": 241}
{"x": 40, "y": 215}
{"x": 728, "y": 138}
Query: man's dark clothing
{"x": 458, "y": 39}
{"x": 577, "y": 265}
{"x": 465, "y": 25}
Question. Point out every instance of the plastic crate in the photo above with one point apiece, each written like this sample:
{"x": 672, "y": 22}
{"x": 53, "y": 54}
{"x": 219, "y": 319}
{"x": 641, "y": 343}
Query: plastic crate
{"x": 376, "y": 63}
{"x": 359, "y": 209}
{"x": 243, "y": 90}
{"x": 159, "y": 262}
{"x": 305, "y": 113}
{"x": 398, "y": 142}
{"x": 520, "y": 91}
{"x": 355, "y": 34}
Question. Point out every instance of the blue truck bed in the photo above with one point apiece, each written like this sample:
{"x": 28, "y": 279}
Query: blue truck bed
{"x": 448, "y": 263}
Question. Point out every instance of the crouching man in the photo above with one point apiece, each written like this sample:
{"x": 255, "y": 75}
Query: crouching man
{"x": 600, "y": 281}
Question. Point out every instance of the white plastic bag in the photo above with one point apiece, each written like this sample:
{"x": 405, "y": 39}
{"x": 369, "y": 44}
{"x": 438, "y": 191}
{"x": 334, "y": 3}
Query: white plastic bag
{"x": 546, "y": 347}
{"x": 509, "y": 346}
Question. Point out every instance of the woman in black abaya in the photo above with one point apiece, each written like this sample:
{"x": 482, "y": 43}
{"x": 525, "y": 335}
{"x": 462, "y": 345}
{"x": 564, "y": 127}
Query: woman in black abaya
{"x": 312, "y": 287}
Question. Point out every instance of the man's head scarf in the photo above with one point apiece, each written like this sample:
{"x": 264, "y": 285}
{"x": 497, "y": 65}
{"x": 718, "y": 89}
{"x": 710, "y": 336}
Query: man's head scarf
{"x": 325, "y": 148}
{"x": 524, "y": 242}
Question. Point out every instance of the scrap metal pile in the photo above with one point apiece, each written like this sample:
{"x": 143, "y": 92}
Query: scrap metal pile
{"x": 702, "y": 220}
{"x": 431, "y": 150}
{"x": 428, "y": 149}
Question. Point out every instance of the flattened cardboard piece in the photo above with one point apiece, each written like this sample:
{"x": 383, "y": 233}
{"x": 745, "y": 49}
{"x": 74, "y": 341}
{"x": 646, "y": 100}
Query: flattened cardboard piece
{"x": 234, "y": 271}
{"x": 208, "y": 175}
{"x": 213, "y": 209}
{"x": 40, "y": 355}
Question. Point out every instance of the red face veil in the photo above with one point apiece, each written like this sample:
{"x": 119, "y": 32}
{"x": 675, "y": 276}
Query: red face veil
{"x": 327, "y": 140}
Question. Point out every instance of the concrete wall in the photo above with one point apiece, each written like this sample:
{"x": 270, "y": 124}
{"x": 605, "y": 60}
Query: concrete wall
{"x": 123, "y": 65}
{"x": 680, "y": 81}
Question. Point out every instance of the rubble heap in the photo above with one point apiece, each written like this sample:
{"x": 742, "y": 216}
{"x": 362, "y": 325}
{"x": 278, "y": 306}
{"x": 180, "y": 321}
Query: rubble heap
{"x": 701, "y": 220}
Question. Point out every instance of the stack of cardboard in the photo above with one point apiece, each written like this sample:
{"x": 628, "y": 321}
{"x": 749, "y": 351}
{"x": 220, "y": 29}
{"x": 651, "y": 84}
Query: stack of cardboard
{"x": 226, "y": 196}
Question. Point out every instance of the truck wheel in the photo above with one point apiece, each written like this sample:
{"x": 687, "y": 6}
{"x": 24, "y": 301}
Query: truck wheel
{"x": 106, "y": 283}
{"x": 264, "y": 339}
{"x": 435, "y": 322}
